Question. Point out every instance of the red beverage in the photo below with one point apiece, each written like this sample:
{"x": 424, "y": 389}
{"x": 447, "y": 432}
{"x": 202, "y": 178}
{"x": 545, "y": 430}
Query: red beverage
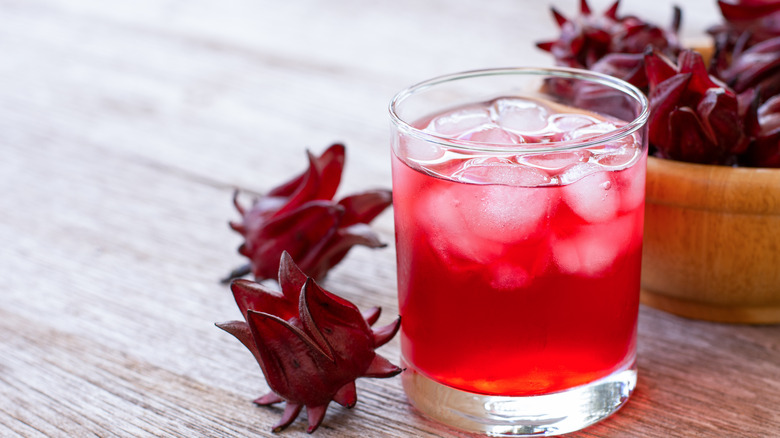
{"x": 518, "y": 273}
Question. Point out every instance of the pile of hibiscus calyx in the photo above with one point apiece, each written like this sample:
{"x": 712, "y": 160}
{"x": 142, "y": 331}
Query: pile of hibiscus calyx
{"x": 724, "y": 110}
{"x": 310, "y": 343}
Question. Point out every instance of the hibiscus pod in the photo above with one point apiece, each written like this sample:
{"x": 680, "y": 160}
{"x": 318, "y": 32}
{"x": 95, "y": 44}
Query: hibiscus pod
{"x": 746, "y": 22}
{"x": 629, "y": 67}
{"x": 352, "y": 230}
{"x": 694, "y": 117}
{"x": 362, "y": 208}
{"x": 717, "y": 109}
{"x": 301, "y": 217}
{"x": 315, "y": 355}
{"x": 256, "y": 296}
{"x": 297, "y": 232}
{"x": 747, "y": 10}
{"x": 757, "y": 67}
{"x": 587, "y": 38}
{"x": 319, "y": 181}
{"x": 764, "y": 151}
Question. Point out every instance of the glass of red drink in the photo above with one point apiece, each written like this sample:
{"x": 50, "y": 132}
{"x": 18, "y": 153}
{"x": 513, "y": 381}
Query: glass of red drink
{"x": 518, "y": 197}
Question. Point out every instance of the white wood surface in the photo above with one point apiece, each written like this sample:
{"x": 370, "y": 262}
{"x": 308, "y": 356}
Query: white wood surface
{"x": 125, "y": 126}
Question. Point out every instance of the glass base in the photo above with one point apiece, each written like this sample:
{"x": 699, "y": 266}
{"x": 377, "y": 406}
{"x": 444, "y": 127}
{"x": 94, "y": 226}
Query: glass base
{"x": 541, "y": 415}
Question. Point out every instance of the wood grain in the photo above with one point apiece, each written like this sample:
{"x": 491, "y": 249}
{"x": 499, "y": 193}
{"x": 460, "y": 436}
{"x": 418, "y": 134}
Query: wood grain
{"x": 711, "y": 246}
{"x": 125, "y": 127}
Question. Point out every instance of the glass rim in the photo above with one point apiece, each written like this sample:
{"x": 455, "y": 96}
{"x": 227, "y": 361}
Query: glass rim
{"x": 560, "y": 72}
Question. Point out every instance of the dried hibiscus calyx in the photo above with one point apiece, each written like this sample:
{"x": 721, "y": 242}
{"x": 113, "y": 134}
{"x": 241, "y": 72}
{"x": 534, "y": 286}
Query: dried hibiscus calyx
{"x": 301, "y": 217}
{"x": 756, "y": 68}
{"x": 745, "y": 22}
{"x": 311, "y": 344}
{"x": 587, "y": 38}
{"x": 629, "y": 67}
{"x": 694, "y": 117}
{"x": 764, "y": 125}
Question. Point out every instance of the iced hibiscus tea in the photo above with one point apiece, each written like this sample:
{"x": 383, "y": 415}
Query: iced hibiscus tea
{"x": 518, "y": 272}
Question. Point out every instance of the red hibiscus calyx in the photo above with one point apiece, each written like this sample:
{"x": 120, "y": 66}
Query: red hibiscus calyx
{"x": 310, "y": 343}
{"x": 754, "y": 68}
{"x": 745, "y": 23}
{"x": 700, "y": 114}
{"x": 587, "y": 38}
{"x": 301, "y": 217}
{"x": 694, "y": 117}
{"x": 764, "y": 126}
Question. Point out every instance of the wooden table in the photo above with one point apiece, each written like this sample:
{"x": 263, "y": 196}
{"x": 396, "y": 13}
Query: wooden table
{"x": 125, "y": 127}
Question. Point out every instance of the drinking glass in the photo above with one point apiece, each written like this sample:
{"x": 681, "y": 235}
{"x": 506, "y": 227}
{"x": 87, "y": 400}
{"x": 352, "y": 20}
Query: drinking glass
{"x": 519, "y": 204}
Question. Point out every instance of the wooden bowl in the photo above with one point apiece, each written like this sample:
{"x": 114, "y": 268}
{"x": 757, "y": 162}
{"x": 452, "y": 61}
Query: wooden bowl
{"x": 712, "y": 242}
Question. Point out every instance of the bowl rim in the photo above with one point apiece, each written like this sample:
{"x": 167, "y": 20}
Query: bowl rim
{"x": 743, "y": 190}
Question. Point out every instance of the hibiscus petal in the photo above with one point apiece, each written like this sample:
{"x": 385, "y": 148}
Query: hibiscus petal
{"x": 612, "y": 10}
{"x": 340, "y": 325}
{"x": 291, "y": 411}
{"x": 268, "y": 399}
{"x": 291, "y": 278}
{"x": 364, "y": 207}
{"x": 759, "y": 63}
{"x": 328, "y": 311}
{"x": 250, "y": 295}
{"x": 306, "y": 190}
{"x": 381, "y": 367}
{"x": 296, "y": 232}
{"x": 241, "y": 331}
{"x": 664, "y": 98}
{"x": 658, "y": 68}
{"x": 331, "y": 252}
{"x": 372, "y": 315}
{"x": 560, "y": 19}
{"x": 292, "y": 363}
{"x": 310, "y": 325}
{"x": 769, "y": 116}
{"x": 692, "y": 62}
{"x": 689, "y": 141}
{"x": 629, "y": 67}
{"x": 584, "y": 8}
{"x": 765, "y": 150}
{"x": 384, "y": 334}
{"x": 545, "y": 45}
{"x": 331, "y": 165}
{"x": 347, "y": 395}
{"x": 315, "y": 414}
{"x": 719, "y": 113}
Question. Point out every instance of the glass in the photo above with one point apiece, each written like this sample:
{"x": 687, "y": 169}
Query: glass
{"x": 518, "y": 197}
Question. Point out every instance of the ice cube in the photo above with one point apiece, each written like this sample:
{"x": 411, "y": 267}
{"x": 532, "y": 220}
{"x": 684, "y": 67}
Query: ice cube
{"x": 631, "y": 185}
{"x": 571, "y": 122}
{"x": 501, "y": 170}
{"x": 491, "y": 134}
{"x": 590, "y": 131}
{"x": 447, "y": 223}
{"x": 478, "y": 214}
{"x": 584, "y": 254}
{"x": 510, "y": 214}
{"x": 592, "y": 249}
{"x": 594, "y": 198}
{"x": 555, "y": 160}
{"x": 576, "y": 172}
{"x": 419, "y": 150}
{"x": 520, "y": 115}
{"x": 617, "y": 158}
{"x": 457, "y": 122}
